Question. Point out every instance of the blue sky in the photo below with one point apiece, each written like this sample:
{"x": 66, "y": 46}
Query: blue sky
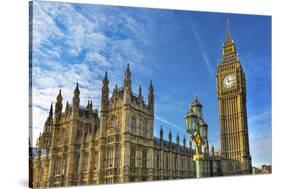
{"x": 178, "y": 50}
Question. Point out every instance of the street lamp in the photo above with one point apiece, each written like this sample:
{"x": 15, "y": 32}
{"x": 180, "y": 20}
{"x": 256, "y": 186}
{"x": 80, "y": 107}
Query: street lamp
{"x": 198, "y": 133}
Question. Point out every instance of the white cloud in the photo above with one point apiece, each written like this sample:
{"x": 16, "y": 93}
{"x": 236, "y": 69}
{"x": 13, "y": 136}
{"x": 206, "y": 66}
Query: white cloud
{"x": 71, "y": 45}
{"x": 168, "y": 123}
{"x": 202, "y": 49}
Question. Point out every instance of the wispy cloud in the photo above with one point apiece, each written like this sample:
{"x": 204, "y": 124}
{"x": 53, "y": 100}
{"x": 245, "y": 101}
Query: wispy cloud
{"x": 79, "y": 43}
{"x": 202, "y": 49}
{"x": 168, "y": 123}
{"x": 260, "y": 117}
{"x": 260, "y": 136}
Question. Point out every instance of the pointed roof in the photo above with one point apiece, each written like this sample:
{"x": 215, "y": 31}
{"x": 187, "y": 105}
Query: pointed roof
{"x": 140, "y": 90}
{"x": 150, "y": 89}
{"x": 196, "y": 102}
{"x": 105, "y": 76}
{"x": 127, "y": 74}
{"x": 128, "y": 69}
{"x": 161, "y": 132}
{"x": 105, "y": 80}
{"x": 59, "y": 97}
{"x": 170, "y": 135}
{"x": 77, "y": 91}
{"x": 51, "y": 110}
{"x": 228, "y": 34}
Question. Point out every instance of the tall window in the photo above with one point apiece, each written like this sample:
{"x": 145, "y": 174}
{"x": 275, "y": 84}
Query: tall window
{"x": 77, "y": 158}
{"x": 144, "y": 131}
{"x": 133, "y": 125}
{"x": 116, "y": 157}
{"x": 144, "y": 158}
{"x": 96, "y": 160}
{"x": 175, "y": 162}
{"x": 157, "y": 161}
{"x": 64, "y": 165}
{"x": 85, "y": 161}
{"x": 58, "y": 165}
{"x": 133, "y": 156}
{"x": 110, "y": 153}
{"x": 114, "y": 121}
{"x": 167, "y": 162}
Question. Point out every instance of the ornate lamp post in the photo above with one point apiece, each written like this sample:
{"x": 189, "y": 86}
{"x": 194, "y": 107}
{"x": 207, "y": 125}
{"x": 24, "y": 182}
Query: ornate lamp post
{"x": 198, "y": 133}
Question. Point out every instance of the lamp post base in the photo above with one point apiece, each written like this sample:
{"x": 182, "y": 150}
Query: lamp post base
{"x": 198, "y": 158}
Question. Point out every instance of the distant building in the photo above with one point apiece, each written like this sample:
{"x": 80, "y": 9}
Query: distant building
{"x": 265, "y": 169}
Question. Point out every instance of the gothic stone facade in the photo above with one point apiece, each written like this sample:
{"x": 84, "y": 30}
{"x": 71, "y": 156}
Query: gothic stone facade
{"x": 79, "y": 146}
{"x": 231, "y": 82}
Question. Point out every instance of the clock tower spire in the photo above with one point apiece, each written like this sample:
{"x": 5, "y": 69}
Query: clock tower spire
{"x": 231, "y": 91}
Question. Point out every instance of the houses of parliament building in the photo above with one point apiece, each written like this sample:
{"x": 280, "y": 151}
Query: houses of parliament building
{"x": 81, "y": 146}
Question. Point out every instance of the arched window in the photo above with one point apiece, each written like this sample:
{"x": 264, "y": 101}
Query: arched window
{"x": 114, "y": 121}
{"x": 133, "y": 125}
{"x": 144, "y": 129}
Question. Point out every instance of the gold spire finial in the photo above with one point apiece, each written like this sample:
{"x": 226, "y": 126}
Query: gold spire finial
{"x": 227, "y": 25}
{"x": 228, "y": 35}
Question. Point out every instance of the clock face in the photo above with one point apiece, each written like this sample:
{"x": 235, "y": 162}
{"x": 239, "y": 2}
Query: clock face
{"x": 229, "y": 81}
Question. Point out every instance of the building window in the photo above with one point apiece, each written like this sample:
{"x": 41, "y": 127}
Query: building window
{"x": 133, "y": 125}
{"x": 175, "y": 162}
{"x": 110, "y": 153}
{"x": 116, "y": 157}
{"x": 109, "y": 180}
{"x": 77, "y": 158}
{"x": 58, "y": 165}
{"x": 85, "y": 161}
{"x": 114, "y": 121}
{"x": 64, "y": 165}
{"x": 167, "y": 162}
{"x": 96, "y": 160}
{"x": 157, "y": 161}
{"x": 144, "y": 128}
{"x": 144, "y": 158}
{"x": 133, "y": 156}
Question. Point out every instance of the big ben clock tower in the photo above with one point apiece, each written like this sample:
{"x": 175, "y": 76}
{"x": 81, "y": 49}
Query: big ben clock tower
{"x": 231, "y": 91}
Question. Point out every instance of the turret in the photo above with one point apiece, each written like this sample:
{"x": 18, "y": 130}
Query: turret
{"x": 58, "y": 108}
{"x": 178, "y": 139}
{"x": 140, "y": 95}
{"x": 105, "y": 92}
{"x": 76, "y": 98}
{"x": 213, "y": 151}
{"x": 161, "y": 133}
{"x": 49, "y": 122}
{"x": 170, "y": 136}
{"x": 66, "y": 108}
{"x": 206, "y": 148}
{"x": 115, "y": 92}
{"x": 184, "y": 142}
{"x": 51, "y": 111}
{"x": 127, "y": 80}
{"x": 91, "y": 106}
{"x": 151, "y": 97}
